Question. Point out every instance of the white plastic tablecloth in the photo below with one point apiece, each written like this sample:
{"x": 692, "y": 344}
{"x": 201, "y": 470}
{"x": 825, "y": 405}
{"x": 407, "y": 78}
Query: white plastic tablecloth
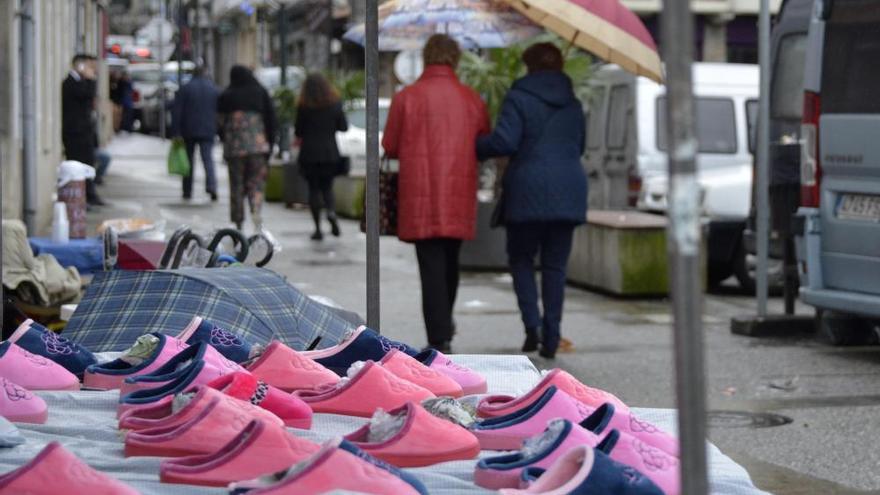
{"x": 85, "y": 423}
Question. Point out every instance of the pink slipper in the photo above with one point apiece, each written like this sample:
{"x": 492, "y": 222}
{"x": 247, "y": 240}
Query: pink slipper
{"x": 215, "y": 365}
{"x": 288, "y": 370}
{"x": 34, "y": 372}
{"x": 584, "y": 470}
{"x": 560, "y": 437}
{"x": 162, "y": 414}
{"x": 471, "y": 382}
{"x": 242, "y": 385}
{"x": 422, "y": 440}
{"x": 20, "y": 406}
{"x": 109, "y": 376}
{"x": 261, "y": 448}
{"x": 371, "y": 388}
{"x": 607, "y": 417}
{"x": 508, "y": 432}
{"x": 55, "y": 470}
{"x": 405, "y": 366}
{"x": 320, "y": 474}
{"x": 211, "y": 428}
{"x": 500, "y": 405}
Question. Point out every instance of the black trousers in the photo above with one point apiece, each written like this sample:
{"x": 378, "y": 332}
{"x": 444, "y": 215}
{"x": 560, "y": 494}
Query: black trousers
{"x": 438, "y": 268}
{"x": 321, "y": 195}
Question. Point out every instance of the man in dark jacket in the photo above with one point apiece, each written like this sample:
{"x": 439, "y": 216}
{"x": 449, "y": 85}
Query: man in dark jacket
{"x": 541, "y": 127}
{"x": 195, "y": 119}
{"x": 78, "y": 92}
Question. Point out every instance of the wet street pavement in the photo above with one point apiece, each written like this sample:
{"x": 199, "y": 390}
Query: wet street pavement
{"x": 802, "y": 417}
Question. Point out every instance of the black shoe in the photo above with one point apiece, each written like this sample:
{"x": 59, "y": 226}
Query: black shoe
{"x": 99, "y": 181}
{"x": 317, "y": 236}
{"x": 334, "y": 227}
{"x": 187, "y": 197}
{"x": 444, "y": 347}
{"x": 547, "y": 353}
{"x": 213, "y": 196}
{"x": 95, "y": 201}
{"x": 532, "y": 340}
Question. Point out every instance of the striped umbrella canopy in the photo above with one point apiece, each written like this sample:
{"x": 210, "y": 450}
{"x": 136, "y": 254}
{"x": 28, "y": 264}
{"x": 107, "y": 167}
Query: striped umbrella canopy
{"x": 407, "y": 24}
{"x": 256, "y": 304}
{"x": 605, "y": 28}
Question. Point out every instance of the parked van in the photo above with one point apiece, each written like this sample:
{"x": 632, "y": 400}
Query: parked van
{"x": 626, "y": 148}
{"x": 839, "y": 250}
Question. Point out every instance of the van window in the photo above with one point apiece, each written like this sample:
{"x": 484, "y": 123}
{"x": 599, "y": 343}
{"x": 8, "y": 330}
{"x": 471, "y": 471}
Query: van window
{"x": 850, "y": 71}
{"x": 752, "y": 123}
{"x": 594, "y": 118}
{"x": 788, "y": 78}
{"x": 618, "y": 106}
{"x": 716, "y": 125}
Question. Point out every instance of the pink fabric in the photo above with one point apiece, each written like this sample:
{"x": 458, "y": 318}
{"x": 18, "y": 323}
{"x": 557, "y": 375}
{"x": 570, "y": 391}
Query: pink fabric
{"x": 501, "y": 405}
{"x": 215, "y": 366}
{"x": 471, "y": 382}
{"x": 567, "y": 474}
{"x": 620, "y": 16}
{"x": 289, "y": 370}
{"x": 424, "y": 440}
{"x": 261, "y": 448}
{"x": 405, "y": 366}
{"x": 56, "y": 470}
{"x": 35, "y": 372}
{"x": 112, "y": 382}
{"x": 19, "y": 405}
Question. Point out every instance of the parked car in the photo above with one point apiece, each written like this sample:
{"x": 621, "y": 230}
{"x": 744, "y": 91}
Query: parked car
{"x": 839, "y": 246}
{"x": 626, "y": 150}
{"x": 353, "y": 142}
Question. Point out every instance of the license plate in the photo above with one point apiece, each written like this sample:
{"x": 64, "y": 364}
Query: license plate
{"x": 859, "y": 207}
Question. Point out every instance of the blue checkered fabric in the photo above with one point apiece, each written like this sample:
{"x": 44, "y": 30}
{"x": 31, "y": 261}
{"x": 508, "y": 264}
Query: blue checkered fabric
{"x": 253, "y": 303}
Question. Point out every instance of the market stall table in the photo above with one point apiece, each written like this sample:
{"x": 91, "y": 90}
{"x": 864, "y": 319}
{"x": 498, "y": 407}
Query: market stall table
{"x": 85, "y": 423}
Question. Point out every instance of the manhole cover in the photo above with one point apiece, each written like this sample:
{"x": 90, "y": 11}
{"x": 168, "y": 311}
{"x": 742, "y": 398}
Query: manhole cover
{"x": 742, "y": 419}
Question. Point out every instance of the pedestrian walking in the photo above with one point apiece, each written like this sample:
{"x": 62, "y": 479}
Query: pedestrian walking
{"x": 78, "y": 93}
{"x": 541, "y": 127}
{"x": 126, "y": 95}
{"x": 248, "y": 133}
{"x": 432, "y": 129}
{"x": 195, "y": 120}
{"x": 319, "y": 116}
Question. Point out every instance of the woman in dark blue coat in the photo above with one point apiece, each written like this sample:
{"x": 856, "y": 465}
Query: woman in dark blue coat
{"x": 541, "y": 127}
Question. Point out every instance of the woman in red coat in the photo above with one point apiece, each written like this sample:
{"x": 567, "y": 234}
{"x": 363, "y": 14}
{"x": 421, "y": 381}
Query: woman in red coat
{"x": 432, "y": 129}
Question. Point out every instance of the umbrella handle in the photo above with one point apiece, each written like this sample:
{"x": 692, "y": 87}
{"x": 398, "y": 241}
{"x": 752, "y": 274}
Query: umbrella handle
{"x": 270, "y": 252}
{"x": 171, "y": 246}
{"x": 184, "y": 244}
{"x": 238, "y": 239}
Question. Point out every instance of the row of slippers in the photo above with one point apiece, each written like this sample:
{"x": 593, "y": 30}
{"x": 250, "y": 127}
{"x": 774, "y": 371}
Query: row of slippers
{"x": 35, "y": 359}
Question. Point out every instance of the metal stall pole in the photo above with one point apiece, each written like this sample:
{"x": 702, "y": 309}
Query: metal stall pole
{"x": 28, "y": 116}
{"x": 683, "y": 245}
{"x": 762, "y": 175}
{"x": 161, "y": 53}
{"x": 371, "y": 48}
{"x": 180, "y": 24}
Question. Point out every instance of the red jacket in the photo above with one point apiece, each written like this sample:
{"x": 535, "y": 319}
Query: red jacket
{"x": 432, "y": 129}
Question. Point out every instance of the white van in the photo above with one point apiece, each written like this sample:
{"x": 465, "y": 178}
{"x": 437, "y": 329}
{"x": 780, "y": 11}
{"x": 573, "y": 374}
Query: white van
{"x": 626, "y": 156}
{"x": 626, "y": 131}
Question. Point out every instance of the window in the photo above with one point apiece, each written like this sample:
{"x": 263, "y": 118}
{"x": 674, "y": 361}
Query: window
{"x": 618, "y": 113}
{"x": 358, "y": 118}
{"x": 715, "y": 125}
{"x": 594, "y": 118}
{"x": 752, "y": 123}
{"x": 850, "y": 72}
{"x": 787, "y": 92}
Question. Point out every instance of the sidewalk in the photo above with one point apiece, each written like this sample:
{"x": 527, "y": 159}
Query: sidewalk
{"x": 621, "y": 345}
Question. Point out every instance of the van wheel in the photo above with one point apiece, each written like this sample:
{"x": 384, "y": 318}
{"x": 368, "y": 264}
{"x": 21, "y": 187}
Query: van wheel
{"x": 841, "y": 329}
{"x": 745, "y": 267}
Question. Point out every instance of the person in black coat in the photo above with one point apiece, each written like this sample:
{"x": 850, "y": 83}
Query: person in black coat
{"x": 541, "y": 128}
{"x": 247, "y": 128}
{"x": 78, "y": 92}
{"x": 319, "y": 116}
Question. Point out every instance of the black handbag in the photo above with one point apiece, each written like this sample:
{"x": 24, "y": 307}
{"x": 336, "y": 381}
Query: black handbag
{"x": 387, "y": 201}
{"x": 343, "y": 166}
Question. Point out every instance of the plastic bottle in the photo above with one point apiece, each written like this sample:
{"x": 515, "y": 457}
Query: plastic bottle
{"x": 60, "y": 225}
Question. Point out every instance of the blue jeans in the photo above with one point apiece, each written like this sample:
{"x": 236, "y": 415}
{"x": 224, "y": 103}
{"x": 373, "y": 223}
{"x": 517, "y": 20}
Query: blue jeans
{"x": 205, "y": 148}
{"x": 552, "y": 241}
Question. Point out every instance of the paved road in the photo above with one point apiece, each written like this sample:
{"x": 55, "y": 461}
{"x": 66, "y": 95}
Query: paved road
{"x": 829, "y": 395}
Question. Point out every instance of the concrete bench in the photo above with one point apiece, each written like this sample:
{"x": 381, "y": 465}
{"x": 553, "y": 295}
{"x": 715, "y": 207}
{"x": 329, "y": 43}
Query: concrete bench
{"x": 621, "y": 252}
